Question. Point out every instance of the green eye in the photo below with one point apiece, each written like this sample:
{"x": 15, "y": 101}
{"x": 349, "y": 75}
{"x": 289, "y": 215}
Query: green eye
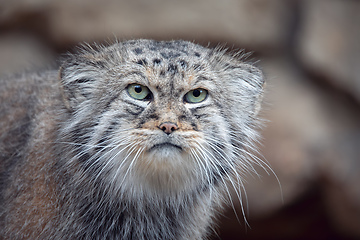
{"x": 139, "y": 92}
{"x": 196, "y": 96}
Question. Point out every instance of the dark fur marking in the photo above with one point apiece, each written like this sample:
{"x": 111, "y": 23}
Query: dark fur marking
{"x": 178, "y": 92}
{"x": 84, "y": 158}
{"x": 114, "y": 124}
{"x": 182, "y": 117}
{"x": 204, "y": 115}
{"x": 202, "y": 78}
{"x": 101, "y": 144}
{"x": 144, "y": 119}
{"x": 168, "y": 55}
{"x": 172, "y": 86}
{"x": 219, "y": 146}
{"x": 142, "y": 62}
{"x": 156, "y": 61}
{"x": 153, "y": 116}
{"x": 172, "y": 69}
{"x": 183, "y": 64}
{"x": 108, "y": 104}
{"x": 222, "y": 166}
{"x": 86, "y": 95}
{"x": 135, "y": 112}
{"x": 78, "y": 135}
{"x": 186, "y": 117}
{"x": 170, "y": 216}
{"x": 220, "y": 106}
{"x": 197, "y": 67}
{"x": 134, "y": 73}
{"x": 154, "y": 48}
{"x": 197, "y": 54}
{"x": 165, "y": 55}
{"x": 194, "y": 126}
{"x": 195, "y": 109}
{"x": 81, "y": 80}
{"x": 138, "y": 51}
{"x": 217, "y": 175}
{"x": 81, "y": 133}
{"x": 138, "y": 108}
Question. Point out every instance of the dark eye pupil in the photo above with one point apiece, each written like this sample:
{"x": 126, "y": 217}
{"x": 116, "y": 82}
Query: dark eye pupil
{"x": 196, "y": 93}
{"x": 138, "y": 89}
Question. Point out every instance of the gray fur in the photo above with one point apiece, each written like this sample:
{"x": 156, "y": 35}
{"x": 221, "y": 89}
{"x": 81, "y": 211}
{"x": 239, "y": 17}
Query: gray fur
{"x": 81, "y": 159}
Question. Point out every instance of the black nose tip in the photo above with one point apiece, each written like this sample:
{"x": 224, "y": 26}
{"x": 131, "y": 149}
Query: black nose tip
{"x": 168, "y": 127}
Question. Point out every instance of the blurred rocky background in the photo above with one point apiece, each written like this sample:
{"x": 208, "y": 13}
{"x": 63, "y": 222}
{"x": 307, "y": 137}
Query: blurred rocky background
{"x": 310, "y": 52}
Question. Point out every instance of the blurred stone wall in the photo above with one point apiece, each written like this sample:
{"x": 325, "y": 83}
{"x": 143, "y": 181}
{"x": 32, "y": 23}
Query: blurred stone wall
{"x": 310, "y": 53}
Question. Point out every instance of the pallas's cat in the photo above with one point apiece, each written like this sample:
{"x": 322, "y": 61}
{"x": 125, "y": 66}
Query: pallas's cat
{"x": 137, "y": 140}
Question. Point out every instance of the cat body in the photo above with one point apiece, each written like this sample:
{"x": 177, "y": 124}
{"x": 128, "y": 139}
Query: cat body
{"x": 137, "y": 140}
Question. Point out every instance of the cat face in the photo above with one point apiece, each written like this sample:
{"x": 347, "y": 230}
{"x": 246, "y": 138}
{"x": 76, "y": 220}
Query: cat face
{"x": 165, "y": 116}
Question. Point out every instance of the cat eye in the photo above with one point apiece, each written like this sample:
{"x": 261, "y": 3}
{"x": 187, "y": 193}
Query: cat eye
{"x": 139, "y": 92}
{"x": 196, "y": 96}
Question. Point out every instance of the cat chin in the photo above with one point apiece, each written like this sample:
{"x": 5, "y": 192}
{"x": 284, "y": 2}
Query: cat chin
{"x": 166, "y": 170}
{"x": 165, "y": 167}
{"x": 165, "y": 152}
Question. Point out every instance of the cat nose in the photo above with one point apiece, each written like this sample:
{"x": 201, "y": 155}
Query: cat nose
{"x": 168, "y": 127}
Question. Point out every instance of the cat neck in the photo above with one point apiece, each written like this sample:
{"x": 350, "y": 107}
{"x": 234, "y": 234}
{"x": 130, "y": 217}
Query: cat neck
{"x": 99, "y": 216}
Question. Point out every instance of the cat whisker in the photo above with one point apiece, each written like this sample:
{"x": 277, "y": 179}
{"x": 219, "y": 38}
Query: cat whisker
{"x": 201, "y": 161}
{"x": 129, "y": 167}
{"x": 230, "y": 179}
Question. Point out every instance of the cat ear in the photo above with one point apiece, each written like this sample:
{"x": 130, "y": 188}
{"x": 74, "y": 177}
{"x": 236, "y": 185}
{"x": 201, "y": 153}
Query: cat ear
{"x": 252, "y": 84}
{"x": 75, "y": 78}
{"x": 258, "y": 80}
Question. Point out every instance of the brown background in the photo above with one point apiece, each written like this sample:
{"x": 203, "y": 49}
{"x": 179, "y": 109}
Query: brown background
{"x": 310, "y": 52}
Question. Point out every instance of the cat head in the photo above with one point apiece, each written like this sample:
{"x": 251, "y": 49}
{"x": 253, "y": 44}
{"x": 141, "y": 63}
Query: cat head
{"x": 165, "y": 116}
